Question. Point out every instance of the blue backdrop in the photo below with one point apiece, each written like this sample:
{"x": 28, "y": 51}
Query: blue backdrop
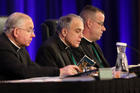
{"x": 122, "y": 21}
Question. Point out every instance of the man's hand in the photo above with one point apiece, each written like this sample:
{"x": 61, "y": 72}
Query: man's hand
{"x": 69, "y": 70}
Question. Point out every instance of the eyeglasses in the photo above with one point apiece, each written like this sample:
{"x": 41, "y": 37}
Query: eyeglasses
{"x": 31, "y": 31}
{"x": 99, "y": 23}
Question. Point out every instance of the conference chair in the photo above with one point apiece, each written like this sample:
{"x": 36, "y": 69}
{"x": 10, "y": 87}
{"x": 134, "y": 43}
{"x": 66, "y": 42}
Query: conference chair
{"x": 48, "y": 28}
{"x": 2, "y": 22}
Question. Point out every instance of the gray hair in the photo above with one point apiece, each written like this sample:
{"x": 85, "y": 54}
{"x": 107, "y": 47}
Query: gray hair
{"x": 65, "y": 21}
{"x": 15, "y": 20}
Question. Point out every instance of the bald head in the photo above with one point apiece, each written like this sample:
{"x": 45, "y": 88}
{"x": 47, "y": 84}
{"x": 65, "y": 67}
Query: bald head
{"x": 16, "y": 19}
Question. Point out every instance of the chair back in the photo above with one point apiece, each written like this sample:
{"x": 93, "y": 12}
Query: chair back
{"x": 48, "y": 28}
{"x": 2, "y": 23}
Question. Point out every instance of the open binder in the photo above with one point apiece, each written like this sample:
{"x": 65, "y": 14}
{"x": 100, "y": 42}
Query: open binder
{"x": 85, "y": 63}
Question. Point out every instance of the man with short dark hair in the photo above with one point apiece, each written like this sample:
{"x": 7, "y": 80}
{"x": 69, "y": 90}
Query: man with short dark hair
{"x": 93, "y": 29}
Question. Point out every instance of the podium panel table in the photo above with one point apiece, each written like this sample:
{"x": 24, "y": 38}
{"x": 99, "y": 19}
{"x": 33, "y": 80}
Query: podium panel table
{"x": 97, "y": 86}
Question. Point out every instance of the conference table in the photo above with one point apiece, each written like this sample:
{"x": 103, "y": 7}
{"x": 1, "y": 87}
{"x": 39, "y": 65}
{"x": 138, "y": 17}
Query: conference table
{"x": 88, "y": 86}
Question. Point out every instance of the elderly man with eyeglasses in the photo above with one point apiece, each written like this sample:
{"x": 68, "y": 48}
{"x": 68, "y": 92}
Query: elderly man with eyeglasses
{"x": 15, "y": 62}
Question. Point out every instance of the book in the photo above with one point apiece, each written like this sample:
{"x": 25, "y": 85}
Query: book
{"x": 86, "y": 64}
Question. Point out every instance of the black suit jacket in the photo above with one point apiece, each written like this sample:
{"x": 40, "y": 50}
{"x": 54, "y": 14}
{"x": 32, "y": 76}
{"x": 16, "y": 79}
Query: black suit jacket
{"x": 12, "y": 66}
{"x": 86, "y": 49}
{"x": 53, "y": 52}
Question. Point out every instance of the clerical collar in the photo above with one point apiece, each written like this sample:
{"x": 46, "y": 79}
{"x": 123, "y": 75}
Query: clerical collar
{"x": 67, "y": 46}
{"x": 15, "y": 45}
{"x": 87, "y": 40}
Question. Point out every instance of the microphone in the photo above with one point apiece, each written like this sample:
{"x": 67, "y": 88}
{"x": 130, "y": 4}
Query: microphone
{"x": 134, "y": 49}
{"x": 137, "y": 61}
{"x": 134, "y": 68}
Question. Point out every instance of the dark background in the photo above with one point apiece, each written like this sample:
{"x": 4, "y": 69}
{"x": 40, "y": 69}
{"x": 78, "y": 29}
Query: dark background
{"x": 122, "y": 21}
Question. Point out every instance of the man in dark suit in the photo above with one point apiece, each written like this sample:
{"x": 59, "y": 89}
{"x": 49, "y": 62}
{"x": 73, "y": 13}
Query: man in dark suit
{"x": 15, "y": 62}
{"x": 57, "y": 49}
{"x": 93, "y": 30}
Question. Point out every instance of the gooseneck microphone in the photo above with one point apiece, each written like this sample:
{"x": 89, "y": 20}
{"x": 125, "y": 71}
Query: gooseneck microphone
{"x": 134, "y": 49}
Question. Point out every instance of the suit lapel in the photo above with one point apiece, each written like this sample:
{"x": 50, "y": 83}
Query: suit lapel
{"x": 64, "y": 57}
{"x": 104, "y": 61}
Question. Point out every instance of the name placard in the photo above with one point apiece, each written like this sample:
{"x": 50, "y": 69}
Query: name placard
{"x": 105, "y": 73}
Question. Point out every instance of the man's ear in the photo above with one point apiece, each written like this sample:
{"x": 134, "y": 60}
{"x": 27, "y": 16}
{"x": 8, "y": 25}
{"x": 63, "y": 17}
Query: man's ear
{"x": 88, "y": 23}
{"x": 15, "y": 32}
{"x": 64, "y": 32}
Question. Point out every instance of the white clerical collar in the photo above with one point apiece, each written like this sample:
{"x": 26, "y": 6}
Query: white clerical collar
{"x": 15, "y": 45}
{"x": 64, "y": 43}
{"x": 88, "y": 40}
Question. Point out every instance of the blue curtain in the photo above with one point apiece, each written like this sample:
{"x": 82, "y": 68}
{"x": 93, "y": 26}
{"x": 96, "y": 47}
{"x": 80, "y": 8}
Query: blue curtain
{"x": 122, "y": 19}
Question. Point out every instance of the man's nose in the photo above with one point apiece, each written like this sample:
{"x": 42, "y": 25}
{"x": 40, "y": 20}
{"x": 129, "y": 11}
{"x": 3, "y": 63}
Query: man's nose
{"x": 81, "y": 35}
{"x": 103, "y": 28}
{"x": 33, "y": 34}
